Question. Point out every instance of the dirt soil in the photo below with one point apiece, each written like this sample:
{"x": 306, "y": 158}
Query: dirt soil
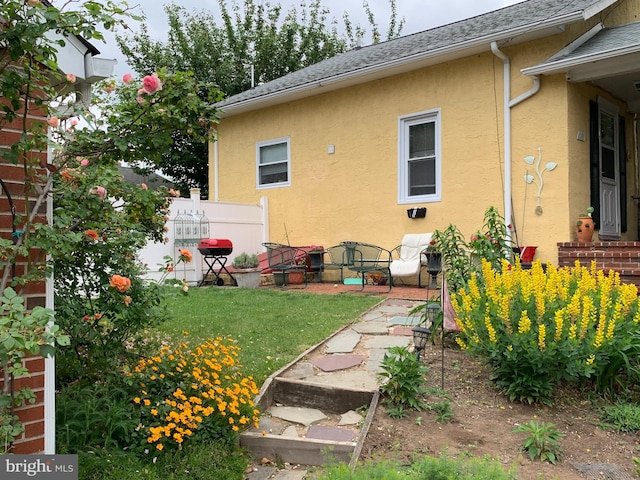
{"x": 483, "y": 423}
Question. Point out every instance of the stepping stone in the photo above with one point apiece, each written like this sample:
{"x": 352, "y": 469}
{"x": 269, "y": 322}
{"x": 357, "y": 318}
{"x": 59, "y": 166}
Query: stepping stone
{"x": 371, "y": 328}
{"x": 404, "y": 331}
{"x": 269, "y": 425}
{"x": 360, "y": 380}
{"x": 331, "y": 433}
{"x": 373, "y": 316}
{"x": 344, "y": 342}
{"x": 399, "y": 302}
{"x": 391, "y": 310}
{"x": 290, "y": 475}
{"x": 350, "y": 418}
{"x": 330, "y": 363}
{"x": 376, "y": 355}
{"x": 303, "y": 416}
{"x": 413, "y": 320}
{"x": 387, "y": 341}
{"x": 261, "y": 473}
{"x": 302, "y": 370}
{"x": 290, "y": 431}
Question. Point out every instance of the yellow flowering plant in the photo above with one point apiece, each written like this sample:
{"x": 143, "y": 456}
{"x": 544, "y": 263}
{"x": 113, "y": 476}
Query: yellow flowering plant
{"x": 537, "y": 328}
{"x": 196, "y": 392}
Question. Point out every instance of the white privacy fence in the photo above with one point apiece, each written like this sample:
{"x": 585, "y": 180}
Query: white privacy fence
{"x": 192, "y": 219}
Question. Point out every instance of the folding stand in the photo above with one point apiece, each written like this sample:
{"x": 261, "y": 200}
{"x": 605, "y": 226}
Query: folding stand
{"x": 212, "y": 261}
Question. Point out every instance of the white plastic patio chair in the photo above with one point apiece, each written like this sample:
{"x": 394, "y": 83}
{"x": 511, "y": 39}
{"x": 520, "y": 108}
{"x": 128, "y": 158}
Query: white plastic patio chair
{"x": 409, "y": 261}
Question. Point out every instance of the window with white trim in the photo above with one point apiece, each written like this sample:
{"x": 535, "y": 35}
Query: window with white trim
{"x": 273, "y": 163}
{"x": 419, "y": 158}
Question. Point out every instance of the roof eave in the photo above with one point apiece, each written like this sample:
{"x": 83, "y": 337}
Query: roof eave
{"x": 562, "y": 66}
{"x": 458, "y": 50}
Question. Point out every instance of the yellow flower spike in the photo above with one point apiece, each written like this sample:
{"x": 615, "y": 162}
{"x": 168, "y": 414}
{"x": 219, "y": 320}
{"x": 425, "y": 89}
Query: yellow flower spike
{"x": 525, "y": 324}
{"x": 542, "y": 334}
{"x": 490, "y": 330}
{"x": 559, "y": 321}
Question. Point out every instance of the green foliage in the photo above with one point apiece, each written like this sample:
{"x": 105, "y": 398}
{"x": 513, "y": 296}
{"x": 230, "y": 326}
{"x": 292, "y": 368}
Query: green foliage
{"x": 425, "y": 468}
{"x": 402, "y": 379}
{"x": 244, "y": 261}
{"x": 622, "y": 417}
{"x": 203, "y": 461}
{"x": 96, "y": 415}
{"x": 537, "y": 329}
{"x": 461, "y": 258}
{"x": 542, "y": 441}
{"x": 21, "y": 334}
{"x": 254, "y": 42}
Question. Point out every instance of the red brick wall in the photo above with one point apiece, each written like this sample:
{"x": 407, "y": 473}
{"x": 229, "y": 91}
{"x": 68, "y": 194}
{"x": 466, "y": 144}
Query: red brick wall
{"x": 622, "y": 257}
{"x": 31, "y": 415}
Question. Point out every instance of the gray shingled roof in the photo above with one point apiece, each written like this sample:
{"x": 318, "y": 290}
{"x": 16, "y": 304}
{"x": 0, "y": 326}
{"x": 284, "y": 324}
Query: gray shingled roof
{"x": 518, "y": 19}
{"x": 620, "y": 38}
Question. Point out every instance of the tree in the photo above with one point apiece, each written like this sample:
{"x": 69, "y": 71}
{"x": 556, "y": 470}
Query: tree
{"x": 254, "y": 43}
{"x": 98, "y": 222}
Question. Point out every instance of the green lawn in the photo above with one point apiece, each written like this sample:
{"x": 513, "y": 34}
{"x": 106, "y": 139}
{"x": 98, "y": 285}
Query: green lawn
{"x": 272, "y": 327}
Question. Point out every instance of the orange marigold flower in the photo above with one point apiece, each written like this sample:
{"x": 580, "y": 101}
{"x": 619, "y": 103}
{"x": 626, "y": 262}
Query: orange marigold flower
{"x": 92, "y": 234}
{"x": 120, "y": 283}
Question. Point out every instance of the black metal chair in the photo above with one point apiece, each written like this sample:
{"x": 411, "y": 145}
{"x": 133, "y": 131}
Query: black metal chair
{"x": 285, "y": 259}
{"x": 365, "y": 258}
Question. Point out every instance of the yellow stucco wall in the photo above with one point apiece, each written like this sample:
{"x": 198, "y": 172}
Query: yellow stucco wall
{"x": 353, "y": 193}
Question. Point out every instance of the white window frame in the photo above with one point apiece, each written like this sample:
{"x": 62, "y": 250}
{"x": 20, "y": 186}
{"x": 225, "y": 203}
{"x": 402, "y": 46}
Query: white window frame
{"x": 404, "y": 122}
{"x": 266, "y": 143}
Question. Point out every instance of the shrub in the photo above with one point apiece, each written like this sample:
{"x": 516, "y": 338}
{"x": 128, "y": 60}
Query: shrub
{"x": 536, "y": 329}
{"x": 95, "y": 416}
{"x": 426, "y": 468}
{"x": 542, "y": 441}
{"x": 403, "y": 387}
{"x": 461, "y": 258}
{"x": 622, "y": 417}
{"x": 199, "y": 392}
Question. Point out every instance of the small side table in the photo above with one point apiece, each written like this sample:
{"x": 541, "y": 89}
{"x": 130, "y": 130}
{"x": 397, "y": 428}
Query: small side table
{"x": 317, "y": 263}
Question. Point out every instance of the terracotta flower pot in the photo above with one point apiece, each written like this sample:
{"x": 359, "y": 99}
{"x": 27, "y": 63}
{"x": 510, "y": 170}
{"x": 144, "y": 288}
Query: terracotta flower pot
{"x": 584, "y": 229}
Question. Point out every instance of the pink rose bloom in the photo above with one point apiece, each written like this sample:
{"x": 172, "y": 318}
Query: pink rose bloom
{"x": 143, "y": 186}
{"x": 151, "y": 83}
{"x": 100, "y": 191}
{"x": 84, "y": 162}
{"x": 140, "y": 100}
{"x": 71, "y": 78}
{"x": 53, "y": 121}
{"x": 127, "y": 78}
{"x": 73, "y": 122}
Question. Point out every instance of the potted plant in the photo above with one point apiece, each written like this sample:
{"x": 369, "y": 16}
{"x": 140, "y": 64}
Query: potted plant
{"x": 585, "y": 226}
{"x": 246, "y": 271}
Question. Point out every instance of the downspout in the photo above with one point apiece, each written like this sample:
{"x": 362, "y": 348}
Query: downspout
{"x": 507, "y": 105}
{"x": 213, "y": 158}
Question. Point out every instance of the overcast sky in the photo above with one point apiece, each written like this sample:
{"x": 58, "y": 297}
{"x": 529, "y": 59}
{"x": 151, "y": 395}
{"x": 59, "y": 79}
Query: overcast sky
{"x": 419, "y": 15}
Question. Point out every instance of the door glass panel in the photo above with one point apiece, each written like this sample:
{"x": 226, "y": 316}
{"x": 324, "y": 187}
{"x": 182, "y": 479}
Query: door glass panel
{"x": 607, "y": 130}
{"x": 608, "y": 158}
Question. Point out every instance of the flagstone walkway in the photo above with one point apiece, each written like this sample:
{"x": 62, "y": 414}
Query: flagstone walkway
{"x": 351, "y": 360}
